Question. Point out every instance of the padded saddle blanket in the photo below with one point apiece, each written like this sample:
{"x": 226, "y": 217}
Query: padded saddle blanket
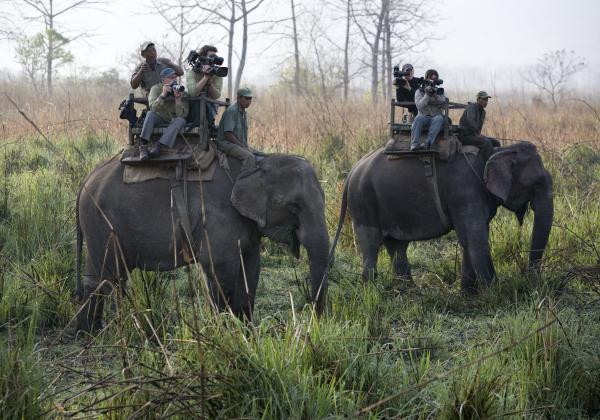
{"x": 200, "y": 167}
{"x": 445, "y": 148}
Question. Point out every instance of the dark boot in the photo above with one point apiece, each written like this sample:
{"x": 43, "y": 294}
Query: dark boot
{"x": 144, "y": 152}
{"x": 154, "y": 151}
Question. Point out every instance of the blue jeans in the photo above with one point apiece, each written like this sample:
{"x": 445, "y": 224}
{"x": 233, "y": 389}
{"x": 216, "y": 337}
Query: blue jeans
{"x": 434, "y": 123}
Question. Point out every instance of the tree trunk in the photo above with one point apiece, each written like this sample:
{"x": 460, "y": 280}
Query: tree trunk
{"x": 296, "y": 52}
{"x": 388, "y": 55}
{"x": 230, "y": 52}
{"x": 50, "y": 55}
{"x": 346, "y": 47}
{"x": 375, "y": 53}
{"x": 242, "y": 63}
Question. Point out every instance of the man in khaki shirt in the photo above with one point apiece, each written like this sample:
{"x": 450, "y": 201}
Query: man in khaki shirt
{"x": 233, "y": 131}
{"x": 147, "y": 73}
{"x": 163, "y": 110}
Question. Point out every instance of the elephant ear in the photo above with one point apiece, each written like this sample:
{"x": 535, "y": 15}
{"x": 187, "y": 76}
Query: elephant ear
{"x": 249, "y": 197}
{"x": 498, "y": 174}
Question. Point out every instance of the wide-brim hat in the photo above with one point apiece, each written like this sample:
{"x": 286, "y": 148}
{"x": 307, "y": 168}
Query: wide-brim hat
{"x": 482, "y": 94}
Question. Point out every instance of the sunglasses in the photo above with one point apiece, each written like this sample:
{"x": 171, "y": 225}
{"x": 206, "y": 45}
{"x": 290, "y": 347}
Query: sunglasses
{"x": 248, "y": 98}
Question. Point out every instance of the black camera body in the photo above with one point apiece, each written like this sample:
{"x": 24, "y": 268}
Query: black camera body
{"x": 176, "y": 87}
{"x": 197, "y": 63}
{"x": 399, "y": 77}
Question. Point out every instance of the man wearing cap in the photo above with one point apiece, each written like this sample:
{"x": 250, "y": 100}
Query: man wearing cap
{"x": 163, "y": 110}
{"x": 471, "y": 123}
{"x": 233, "y": 130}
{"x": 430, "y": 104}
{"x": 147, "y": 73}
{"x": 408, "y": 87}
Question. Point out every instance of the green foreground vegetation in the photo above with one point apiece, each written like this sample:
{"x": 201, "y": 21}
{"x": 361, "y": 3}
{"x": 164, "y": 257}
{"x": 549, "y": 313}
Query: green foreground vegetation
{"x": 529, "y": 347}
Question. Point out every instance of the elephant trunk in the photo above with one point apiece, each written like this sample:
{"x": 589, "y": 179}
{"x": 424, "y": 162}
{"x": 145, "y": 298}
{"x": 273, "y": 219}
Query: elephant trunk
{"x": 543, "y": 207}
{"x": 312, "y": 234}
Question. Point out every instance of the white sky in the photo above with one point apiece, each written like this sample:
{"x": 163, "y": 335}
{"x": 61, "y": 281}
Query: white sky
{"x": 479, "y": 38}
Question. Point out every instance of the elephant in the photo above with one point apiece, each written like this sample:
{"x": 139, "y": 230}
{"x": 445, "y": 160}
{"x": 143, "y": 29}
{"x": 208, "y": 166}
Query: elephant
{"x": 127, "y": 226}
{"x": 391, "y": 202}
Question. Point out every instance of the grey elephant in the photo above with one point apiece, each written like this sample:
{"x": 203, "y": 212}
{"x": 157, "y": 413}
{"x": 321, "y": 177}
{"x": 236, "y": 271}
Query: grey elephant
{"x": 392, "y": 202}
{"x": 130, "y": 225}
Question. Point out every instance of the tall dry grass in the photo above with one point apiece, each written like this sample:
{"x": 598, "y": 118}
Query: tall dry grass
{"x": 282, "y": 122}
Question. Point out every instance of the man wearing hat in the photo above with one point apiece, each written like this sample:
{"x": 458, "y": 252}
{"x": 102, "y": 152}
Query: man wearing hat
{"x": 233, "y": 130}
{"x": 147, "y": 73}
{"x": 471, "y": 124}
{"x": 163, "y": 110}
{"x": 408, "y": 87}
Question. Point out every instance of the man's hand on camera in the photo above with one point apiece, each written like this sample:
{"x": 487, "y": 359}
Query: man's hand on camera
{"x": 178, "y": 94}
{"x": 166, "y": 90}
{"x": 206, "y": 70}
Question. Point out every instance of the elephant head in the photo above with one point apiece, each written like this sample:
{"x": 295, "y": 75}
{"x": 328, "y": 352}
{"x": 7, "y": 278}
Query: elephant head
{"x": 517, "y": 177}
{"x": 285, "y": 199}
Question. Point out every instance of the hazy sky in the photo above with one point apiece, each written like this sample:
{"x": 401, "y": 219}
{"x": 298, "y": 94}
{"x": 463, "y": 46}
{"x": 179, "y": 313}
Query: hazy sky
{"x": 478, "y": 37}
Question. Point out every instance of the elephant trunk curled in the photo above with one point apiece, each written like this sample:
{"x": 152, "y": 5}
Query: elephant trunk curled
{"x": 543, "y": 207}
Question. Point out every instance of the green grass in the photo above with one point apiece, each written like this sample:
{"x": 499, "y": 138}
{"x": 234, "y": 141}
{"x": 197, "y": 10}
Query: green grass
{"x": 528, "y": 347}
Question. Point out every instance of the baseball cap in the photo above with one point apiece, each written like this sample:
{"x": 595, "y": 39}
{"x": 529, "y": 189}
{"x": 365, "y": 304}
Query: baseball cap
{"x": 482, "y": 94}
{"x": 407, "y": 67}
{"x": 167, "y": 72}
{"x": 145, "y": 45}
{"x": 245, "y": 92}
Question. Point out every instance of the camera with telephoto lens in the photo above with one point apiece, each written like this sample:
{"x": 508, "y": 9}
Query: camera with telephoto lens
{"x": 198, "y": 62}
{"x": 400, "y": 77}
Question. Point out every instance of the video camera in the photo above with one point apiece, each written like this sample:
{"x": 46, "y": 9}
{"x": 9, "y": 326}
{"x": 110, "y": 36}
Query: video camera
{"x": 431, "y": 86}
{"x": 127, "y": 110}
{"x": 197, "y": 63}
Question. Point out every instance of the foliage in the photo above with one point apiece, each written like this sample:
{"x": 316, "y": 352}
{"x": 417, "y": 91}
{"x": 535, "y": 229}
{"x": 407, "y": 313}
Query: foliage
{"x": 528, "y": 347}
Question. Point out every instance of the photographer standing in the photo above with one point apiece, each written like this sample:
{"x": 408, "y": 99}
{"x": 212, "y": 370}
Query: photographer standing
{"x": 471, "y": 123}
{"x": 233, "y": 131}
{"x": 407, "y": 86}
{"x": 147, "y": 73}
{"x": 164, "y": 111}
{"x": 205, "y": 81}
{"x": 430, "y": 103}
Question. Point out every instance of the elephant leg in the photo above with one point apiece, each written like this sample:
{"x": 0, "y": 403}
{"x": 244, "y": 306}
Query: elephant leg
{"x": 245, "y": 293}
{"x": 397, "y": 252}
{"x": 477, "y": 260}
{"x": 222, "y": 283}
{"x": 369, "y": 241}
{"x": 468, "y": 276}
{"x": 94, "y": 291}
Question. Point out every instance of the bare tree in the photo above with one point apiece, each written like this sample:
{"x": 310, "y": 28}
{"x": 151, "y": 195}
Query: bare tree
{"x": 389, "y": 28}
{"x": 296, "y": 49}
{"x": 552, "y": 72}
{"x": 47, "y": 11}
{"x": 183, "y": 18}
{"x": 236, "y": 11}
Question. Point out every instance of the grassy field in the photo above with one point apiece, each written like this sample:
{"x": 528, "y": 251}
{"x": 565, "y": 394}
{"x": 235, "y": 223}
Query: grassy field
{"x": 528, "y": 347}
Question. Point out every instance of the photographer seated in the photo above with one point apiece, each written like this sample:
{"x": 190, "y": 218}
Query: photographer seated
{"x": 163, "y": 111}
{"x": 205, "y": 76}
{"x": 430, "y": 101}
{"x": 407, "y": 85}
{"x": 471, "y": 123}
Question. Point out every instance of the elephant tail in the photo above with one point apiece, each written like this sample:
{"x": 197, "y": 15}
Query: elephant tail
{"x": 78, "y": 251}
{"x": 343, "y": 208}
